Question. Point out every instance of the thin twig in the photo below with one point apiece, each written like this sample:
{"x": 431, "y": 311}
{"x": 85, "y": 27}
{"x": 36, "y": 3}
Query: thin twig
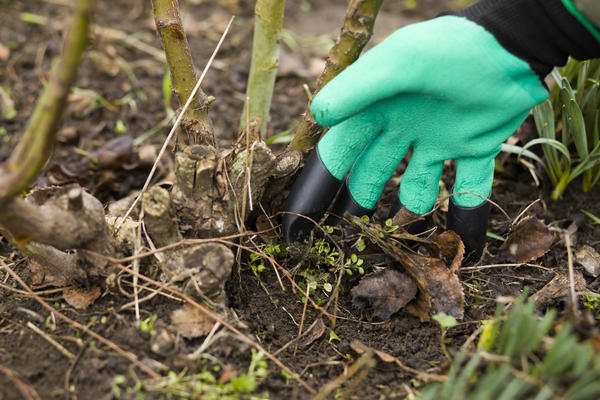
{"x": 175, "y": 125}
{"x": 26, "y": 391}
{"x": 571, "y": 273}
{"x": 366, "y": 361}
{"x": 77, "y": 325}
{"x": 53, "y": 342}
{"x": 303, "y": 317}
{"x": 213, "y": 316}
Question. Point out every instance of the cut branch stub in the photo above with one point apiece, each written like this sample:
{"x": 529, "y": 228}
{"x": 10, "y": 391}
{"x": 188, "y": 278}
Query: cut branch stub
{"x": 196, "y": 123}
{"x": 209, "y": 266}
{"x": 355, "y": 33}
{"x": 158, "y": 217}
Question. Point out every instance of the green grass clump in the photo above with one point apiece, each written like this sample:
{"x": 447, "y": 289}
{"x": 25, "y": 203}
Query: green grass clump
{"x": 518, "y": 358}
{"x": 568, "y": 126}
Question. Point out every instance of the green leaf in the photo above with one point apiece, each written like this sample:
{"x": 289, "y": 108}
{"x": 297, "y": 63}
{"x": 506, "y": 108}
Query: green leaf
{"x": 445, "y": 320}
{"x": 333, "y": 336}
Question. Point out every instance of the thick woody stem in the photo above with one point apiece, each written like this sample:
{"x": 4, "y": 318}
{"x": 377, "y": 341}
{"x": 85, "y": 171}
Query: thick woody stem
{"x": 196, "y": 122}
{"x": 37, "y": 144}
{"x": 356, "y": 32}
{"x": 268, "y": 20}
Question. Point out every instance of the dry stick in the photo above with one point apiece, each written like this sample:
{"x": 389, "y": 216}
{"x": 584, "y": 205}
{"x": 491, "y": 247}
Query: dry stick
{"x": 571, "y": 273}
{"x": 213, "y": 316}
{"x": 366, "y": 361}
{"x": 27, "y": 391}
{"x": 303, "y": 317}
{"x": 53, "y": 342}
{"x": 77, "y": 325}
{"x": 176, "y": 125}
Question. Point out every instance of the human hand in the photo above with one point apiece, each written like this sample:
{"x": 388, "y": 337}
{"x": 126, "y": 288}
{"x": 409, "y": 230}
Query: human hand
{"x": 445, "y": 88}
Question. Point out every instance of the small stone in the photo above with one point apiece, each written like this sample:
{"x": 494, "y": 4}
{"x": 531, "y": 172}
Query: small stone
{"x": 589, "y": 259}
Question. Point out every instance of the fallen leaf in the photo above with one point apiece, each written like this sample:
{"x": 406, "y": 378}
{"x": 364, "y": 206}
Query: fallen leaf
{"x": 558, "y": 287}
{"x": 435, "y": 274}
{"x": 589, "y": 259}
{"x": 385, "y": 291}
{"x": 530, "y": 240}
{"x": 190, "y": 322}
{"x": 115, "y": 153}
{"x": 315, "y": 333}
{"x": 81, "y": 298}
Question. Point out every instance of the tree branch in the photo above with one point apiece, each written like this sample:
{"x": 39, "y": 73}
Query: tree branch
{"x": 37, "y": 144}
{"x": 356, "y": 32}
{"x": 268, "y": 20}
{"x": 183, "y": 76}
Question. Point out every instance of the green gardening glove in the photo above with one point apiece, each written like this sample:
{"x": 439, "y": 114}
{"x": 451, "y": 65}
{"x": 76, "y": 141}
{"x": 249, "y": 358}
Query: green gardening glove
{"x": 454, "y": 87}
{"x": 447, "y": 89}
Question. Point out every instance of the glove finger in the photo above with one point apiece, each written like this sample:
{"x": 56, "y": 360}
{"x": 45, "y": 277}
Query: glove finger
{"x": 386, "y": 70}
{"x": 375, "y": 166}
{"x": 419, "y": 186}
{"x": 474, "y": 175}
{"x": 342, "y": 144}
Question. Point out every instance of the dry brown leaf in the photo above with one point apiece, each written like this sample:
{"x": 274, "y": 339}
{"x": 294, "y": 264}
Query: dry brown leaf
{"x": 385, "y": 291}
{"x": 114, "y": 153}
{"x": 530, "y": 240}
{"x": 556, "y": 288}
{"x": 315, "y": 333}
{"x": 81, "y": 298}
{"x": 190, "y": 322}
{"x": 435, "y": 274}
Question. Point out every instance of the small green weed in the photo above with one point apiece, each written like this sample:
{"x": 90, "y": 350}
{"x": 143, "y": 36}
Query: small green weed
{"x": 147, "y": 325}
{"x": 204, "y": 385}
{"x": 258, "y": 262}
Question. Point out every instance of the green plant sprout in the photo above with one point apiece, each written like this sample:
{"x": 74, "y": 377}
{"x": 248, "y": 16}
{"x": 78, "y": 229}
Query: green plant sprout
{"x": 446, "y": 321}
{"x": 204, "y": 385}
{"x": 518, "y": 358}
{"x": 258, "y": 262}
{"x": 147, "y": 325}
{"x": 573, "y": 110}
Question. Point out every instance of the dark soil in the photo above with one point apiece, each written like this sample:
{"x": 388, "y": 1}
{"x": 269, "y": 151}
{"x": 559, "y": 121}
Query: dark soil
{"x": 271, "y": 315}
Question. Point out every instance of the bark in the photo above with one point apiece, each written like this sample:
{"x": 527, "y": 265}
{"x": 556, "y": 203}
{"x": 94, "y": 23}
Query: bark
{"x": 196, "y": 123}
{"x": 355, "y": 33}
{"x": 268, "y": 20}
{"x": 37, "y": 144}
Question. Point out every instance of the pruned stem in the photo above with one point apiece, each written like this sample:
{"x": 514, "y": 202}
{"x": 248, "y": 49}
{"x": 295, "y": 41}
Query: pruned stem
{"x": 356, "y": 32}
{"x": 37, "y": 144}
{"x": 268, "y": 20}
{"x": 179, "y": 58}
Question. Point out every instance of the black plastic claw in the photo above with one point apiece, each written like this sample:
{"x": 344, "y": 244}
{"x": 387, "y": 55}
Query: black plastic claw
{"x": 470, "y": 223}
{"x": 345, "y": 203}
{"x": 416, "y": 227}
{"x": 310, "y": 196}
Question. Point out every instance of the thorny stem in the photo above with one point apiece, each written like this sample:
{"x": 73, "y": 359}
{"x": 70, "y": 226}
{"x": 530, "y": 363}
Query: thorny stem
{"x": 37, "y": 144}
{"x": 268, "y": 20}
{"x": 355, "y": 33}
{"x": 179, "y": 58}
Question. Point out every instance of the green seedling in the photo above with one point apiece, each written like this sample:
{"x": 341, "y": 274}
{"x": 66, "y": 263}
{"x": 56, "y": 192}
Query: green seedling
{"x": 446, "y": 321}
{"x": 333, "y": 336}
{"x": 354, "y": 264}
{"x": 147, "y": 325}
{"x": 258, "y": 262}
{"x": 203, "y": 385}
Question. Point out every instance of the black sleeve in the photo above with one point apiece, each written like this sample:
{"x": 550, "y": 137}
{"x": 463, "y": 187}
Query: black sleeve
{"x": 541, "y": 32}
